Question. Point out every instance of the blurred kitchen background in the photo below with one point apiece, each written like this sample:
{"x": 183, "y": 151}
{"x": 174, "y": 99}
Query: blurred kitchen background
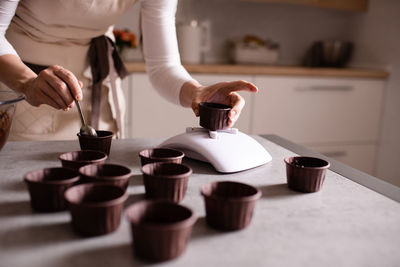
{"x": 349, "y": 112}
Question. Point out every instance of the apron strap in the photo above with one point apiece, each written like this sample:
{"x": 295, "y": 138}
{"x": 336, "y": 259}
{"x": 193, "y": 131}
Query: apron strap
{"x": 99, "y": 64}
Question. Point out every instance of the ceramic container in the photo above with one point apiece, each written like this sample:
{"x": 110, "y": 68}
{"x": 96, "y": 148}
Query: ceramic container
{"x": 214, "y": 116}
{"x": 47, "y": 186}
{"x": 305, "y": 174}
{"x": 77, "y": 159}
{"x": 166, "y": 180}
{"x": 101, "y": 142}
{"x": 160, "y": 155}
{"x": 229, "y": 205}
{"x": 95, "y": 208}
{"x": 160, "y": 229}
{"x": 106, "y": 173}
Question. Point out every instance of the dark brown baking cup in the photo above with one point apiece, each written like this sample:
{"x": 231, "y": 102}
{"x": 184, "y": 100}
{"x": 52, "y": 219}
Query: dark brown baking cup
{"x": 160, "y": 229}
{"x": 160, "y": 155}
{"x": 229, "y": 205}
{"x": 77, "y": 159}
{"x": 101, "y": 142}
{"x": 305, "y": 174}
{"x": 106, "y": 173}
{"x": 166, "y": 180}
{"x": 47, "y": 186}
{"x": 95, "y": 208}
{"x": 214, "y": 116}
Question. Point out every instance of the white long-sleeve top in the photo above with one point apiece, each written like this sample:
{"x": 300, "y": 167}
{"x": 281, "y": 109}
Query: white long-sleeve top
{"x": 48, "y": 26}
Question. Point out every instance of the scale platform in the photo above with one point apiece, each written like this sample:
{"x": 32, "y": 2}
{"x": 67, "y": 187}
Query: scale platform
{"x": 228, "y": 150}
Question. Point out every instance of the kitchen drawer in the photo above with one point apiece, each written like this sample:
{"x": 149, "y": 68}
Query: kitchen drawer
{"x": 358, "y": 156}
{"x": 318, "y": 110}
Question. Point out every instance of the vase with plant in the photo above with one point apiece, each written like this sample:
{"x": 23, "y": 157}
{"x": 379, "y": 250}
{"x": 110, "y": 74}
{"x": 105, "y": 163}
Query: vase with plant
{"x": 127, "y": 46}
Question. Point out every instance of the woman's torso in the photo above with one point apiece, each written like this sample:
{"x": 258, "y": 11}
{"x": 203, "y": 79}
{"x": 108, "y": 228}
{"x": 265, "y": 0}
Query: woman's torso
{"x": 48, "y": 32}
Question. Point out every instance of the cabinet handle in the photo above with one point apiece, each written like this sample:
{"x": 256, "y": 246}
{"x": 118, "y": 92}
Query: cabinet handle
{"x": 325, "y": 88}
{"x": 335, "y": 154}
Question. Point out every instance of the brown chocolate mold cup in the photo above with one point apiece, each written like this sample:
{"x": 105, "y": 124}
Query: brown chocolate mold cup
{"x": 95, "y": 208}
{"x": 166, "y": 180}
{"x": 101, "y": 142}
{"x": 77, "y": 159}
{"x": 229, "y": 205}
{"x": 106, "y": 173}
{"x": 214, "y": 116}
{"x": 160, "y": 229}
{"x": 160, "y": 155}
{"x": 305, "y": 174}
{"x": 47, "y": 186}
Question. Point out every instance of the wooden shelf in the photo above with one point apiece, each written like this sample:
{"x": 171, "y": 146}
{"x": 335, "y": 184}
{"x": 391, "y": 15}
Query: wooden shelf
{"x": 347, "y": 5}
{"x": 271, "y": 70}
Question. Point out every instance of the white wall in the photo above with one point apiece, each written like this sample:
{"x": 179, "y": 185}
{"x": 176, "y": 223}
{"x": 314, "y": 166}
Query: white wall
{"x": 376, "y": 35}
{"x": 294, "y": 27}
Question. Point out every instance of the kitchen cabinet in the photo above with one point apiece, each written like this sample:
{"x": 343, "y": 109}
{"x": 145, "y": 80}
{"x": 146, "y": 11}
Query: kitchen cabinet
{"x": 150, "y": 115}
{"x": 336, "y": 117}
{"x": 350, "y": 5}
{"x": 315, "y": 110}
{"x": 360, "y": 156}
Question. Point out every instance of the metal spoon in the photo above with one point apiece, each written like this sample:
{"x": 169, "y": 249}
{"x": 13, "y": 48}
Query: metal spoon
{"x": 85, "y": 129}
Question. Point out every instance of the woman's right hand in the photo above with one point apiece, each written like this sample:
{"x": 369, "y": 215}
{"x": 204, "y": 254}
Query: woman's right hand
{"x": 53, "y": 86}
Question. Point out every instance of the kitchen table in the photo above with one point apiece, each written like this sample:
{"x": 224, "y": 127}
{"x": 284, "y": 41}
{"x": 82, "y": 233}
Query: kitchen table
{"x": 345, "y": 224}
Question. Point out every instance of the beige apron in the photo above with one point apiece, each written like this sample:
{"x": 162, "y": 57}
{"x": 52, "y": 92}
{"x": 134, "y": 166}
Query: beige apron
{"x": 57, "y": 32}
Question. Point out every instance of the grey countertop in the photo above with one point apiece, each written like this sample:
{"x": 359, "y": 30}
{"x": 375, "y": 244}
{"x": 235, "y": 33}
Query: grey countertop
{"x": 345, "y": 224}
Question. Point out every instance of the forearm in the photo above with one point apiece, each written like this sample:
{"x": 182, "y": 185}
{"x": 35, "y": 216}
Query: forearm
{"x": 160, "y": 46}
{"x": 14, "y": 73}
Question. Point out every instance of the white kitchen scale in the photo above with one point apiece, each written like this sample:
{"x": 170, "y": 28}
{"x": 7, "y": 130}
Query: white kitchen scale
{"x": 228, "y": 150}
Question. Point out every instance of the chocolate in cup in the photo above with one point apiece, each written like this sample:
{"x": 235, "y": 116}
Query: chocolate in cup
{"x": 305, "y": 174}
{"x": 160, "y": 229}
{"x": 106, "y": 173}
{"x": 47, "y": 186}
{"x": 214, "y": 116}
{"x": 77, "y": 159}
{"x": 160, "y": 155}
{"x": 166, "y": 180}
{"x": 229, "y": 205}
{"x": 8, "y": 102}
{"x": 95, "y": 208}
{"x": 101, "y": 142}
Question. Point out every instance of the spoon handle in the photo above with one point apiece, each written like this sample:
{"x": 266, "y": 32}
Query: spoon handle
{"x": 78, "y": 106}
{"x": 80, "y": 112}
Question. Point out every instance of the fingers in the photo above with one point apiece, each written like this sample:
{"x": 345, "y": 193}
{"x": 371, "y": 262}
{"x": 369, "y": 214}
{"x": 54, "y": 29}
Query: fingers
{"x": 225, "y": 93}
{"x": 51, "y": 101}
{"x": 58, "y": 88}
{"x": 70, "y": 80}
{"x": 52, "y": 97}
{"x": 239, "y": 86}
{"x": 195, "y": 108}
{"x": 237, "y": 103}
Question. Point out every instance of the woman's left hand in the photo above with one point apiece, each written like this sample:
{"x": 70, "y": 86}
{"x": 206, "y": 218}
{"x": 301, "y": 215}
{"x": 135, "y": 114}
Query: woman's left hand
{"x": 223, "y": 93}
